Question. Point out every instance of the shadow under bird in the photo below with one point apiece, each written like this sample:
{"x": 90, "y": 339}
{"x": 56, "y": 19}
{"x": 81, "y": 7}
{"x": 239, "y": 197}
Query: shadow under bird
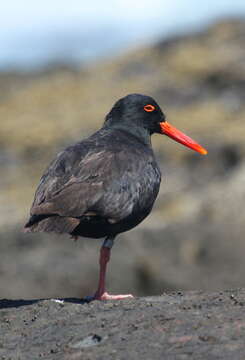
{"x": 106, "y": 184}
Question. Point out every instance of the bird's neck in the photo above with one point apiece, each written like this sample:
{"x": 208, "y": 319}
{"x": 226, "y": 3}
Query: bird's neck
{"x": 140, "y": 133}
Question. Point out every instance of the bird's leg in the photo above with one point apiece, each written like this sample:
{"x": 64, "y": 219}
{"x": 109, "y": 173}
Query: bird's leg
{"x": 105, "y": 253}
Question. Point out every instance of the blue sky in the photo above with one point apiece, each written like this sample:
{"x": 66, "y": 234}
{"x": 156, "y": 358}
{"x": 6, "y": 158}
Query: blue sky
{"x": 34, "y": 32}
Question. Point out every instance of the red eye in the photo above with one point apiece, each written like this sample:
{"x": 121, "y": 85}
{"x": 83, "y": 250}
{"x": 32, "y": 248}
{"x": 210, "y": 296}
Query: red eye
{"x": 149, "y": 108}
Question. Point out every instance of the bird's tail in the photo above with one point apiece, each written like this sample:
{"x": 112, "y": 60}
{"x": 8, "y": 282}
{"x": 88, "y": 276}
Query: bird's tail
{"x": 51, "y": 223}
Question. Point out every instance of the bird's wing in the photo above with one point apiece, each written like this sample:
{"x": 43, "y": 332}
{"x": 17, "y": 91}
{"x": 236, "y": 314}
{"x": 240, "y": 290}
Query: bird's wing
{"x": 132, "y": 184}
{"x": 107, "y": 183}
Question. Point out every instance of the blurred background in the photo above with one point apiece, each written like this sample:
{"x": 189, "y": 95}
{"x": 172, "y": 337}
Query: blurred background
{"x": 62, "y": 66}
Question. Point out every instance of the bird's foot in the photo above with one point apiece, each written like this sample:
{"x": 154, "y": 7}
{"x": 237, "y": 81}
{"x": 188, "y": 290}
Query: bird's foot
{"x": 105, "y": 296}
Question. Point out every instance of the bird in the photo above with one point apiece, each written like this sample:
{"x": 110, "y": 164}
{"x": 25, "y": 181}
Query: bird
{"x": 106, "y": 184}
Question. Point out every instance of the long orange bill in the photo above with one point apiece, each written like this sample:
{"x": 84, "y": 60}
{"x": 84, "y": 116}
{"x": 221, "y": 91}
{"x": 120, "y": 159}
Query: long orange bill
{"x": 177, "y": 135}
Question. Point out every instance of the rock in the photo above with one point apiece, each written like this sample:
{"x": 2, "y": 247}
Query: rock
{"x": 176, "y": 325}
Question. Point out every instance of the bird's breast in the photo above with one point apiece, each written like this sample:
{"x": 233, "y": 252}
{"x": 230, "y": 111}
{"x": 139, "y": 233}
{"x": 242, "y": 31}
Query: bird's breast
{"x": 148, "y": 187}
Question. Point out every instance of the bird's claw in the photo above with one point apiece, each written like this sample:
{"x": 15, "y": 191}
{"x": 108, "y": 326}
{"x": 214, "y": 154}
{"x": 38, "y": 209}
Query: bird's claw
{"x": 105, "y": 296}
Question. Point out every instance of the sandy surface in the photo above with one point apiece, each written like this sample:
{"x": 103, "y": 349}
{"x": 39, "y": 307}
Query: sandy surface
{"x": 177, "y": 325}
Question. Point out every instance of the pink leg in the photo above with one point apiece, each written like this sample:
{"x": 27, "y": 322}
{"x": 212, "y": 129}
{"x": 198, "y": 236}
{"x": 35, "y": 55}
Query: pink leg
{"x": 101, "y": 294}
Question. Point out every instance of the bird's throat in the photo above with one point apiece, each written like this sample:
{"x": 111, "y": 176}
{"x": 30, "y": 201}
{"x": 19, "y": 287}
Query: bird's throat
{"x": 140, "y": 133}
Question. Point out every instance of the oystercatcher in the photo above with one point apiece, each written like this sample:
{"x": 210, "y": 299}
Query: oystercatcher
{"x": 106, "y": 184}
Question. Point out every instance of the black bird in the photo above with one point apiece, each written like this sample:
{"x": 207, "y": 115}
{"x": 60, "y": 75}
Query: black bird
{"x": 107, "y": 183}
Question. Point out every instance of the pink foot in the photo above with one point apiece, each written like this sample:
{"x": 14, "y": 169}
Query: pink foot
{"x": 106, "y": 296}
{"x": 101, "y": 294}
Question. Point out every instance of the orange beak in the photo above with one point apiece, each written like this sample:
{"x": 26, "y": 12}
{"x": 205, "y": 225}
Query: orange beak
{"x": 177, "y": 135}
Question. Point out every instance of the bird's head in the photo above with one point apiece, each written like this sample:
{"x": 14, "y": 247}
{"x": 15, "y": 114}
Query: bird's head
{"x": 140, "y": 114}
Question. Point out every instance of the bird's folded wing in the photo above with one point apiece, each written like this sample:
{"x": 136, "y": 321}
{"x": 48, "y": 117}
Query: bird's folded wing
{"x": 107, "y": 183}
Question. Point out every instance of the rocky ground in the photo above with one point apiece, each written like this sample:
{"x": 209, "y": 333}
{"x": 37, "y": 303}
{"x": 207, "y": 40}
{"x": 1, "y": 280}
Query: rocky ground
{"x": 173, "y": 326}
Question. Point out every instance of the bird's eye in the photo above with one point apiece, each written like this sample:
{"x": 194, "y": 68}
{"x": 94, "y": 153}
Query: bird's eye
{"x": 149, "y": 108}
